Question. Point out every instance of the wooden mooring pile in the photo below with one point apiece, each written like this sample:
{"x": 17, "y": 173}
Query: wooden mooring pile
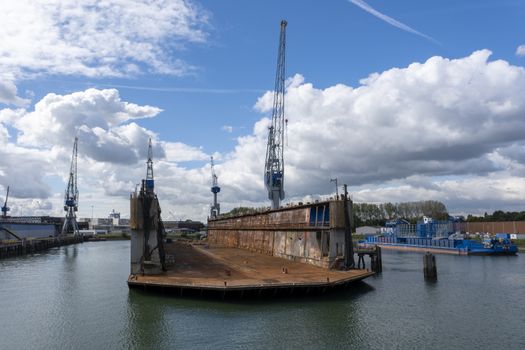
{"x": 376, "y": 261}
{"x": 30, "y": 246}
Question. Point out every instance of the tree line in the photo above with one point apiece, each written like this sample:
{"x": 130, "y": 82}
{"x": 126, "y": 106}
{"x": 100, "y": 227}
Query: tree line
{"x": 378, "y": 214}
{"x": 499, "y": 215}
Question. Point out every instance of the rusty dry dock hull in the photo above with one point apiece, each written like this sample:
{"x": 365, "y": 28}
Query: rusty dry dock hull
{"x": 202, "y": 270}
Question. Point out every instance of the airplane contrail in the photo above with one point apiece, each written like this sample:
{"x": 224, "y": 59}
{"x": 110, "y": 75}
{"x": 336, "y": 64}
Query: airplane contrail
{"x": 363, "y": 5}
{"x": 179, "y": 89}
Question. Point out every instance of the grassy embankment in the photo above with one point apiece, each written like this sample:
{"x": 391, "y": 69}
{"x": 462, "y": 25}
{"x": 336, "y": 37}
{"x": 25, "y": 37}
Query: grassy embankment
{"x": 116, "y": 236}
{"x": 520, "y": 243}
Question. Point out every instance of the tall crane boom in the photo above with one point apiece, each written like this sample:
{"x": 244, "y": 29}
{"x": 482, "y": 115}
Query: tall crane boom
{"x": 215, "y": 209}
{"x": 274, "y": 166}
{"x": 71, "y": 195}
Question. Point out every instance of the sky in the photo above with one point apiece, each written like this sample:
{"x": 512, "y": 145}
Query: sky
{"x": 402, "y": 100}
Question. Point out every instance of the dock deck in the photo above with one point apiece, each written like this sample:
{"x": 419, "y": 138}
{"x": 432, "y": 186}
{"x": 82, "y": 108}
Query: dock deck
{"x": 203, "y": 269}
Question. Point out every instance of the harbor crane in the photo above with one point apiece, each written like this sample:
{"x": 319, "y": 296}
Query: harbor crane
{"x": 150, "y": 183}
{"x": 274, "y": 166}
{"x": 71, "y": 196}
{"x": 152, "y": 229}
{"x": 5, "y": 208}
{"x": 216, "y": 207}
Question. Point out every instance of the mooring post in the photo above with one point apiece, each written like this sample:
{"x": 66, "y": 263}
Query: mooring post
{"x": 361, "y": 261}
{"x": 429, "y": 266}
{"x": 379, "y": 259}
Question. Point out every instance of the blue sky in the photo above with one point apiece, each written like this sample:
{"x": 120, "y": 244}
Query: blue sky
{"x": 329, "y": 42}
{"x": 228, "y": 53}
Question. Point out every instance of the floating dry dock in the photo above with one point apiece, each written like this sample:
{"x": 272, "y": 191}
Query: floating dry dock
{"x": 203, "y": 270}
{"x": 291, "y": 250}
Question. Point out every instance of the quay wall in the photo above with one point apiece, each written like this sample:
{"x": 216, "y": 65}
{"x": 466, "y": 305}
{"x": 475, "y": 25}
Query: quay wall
{"x": 494, "y": 227}
{"x": 312, "y": 233}
{"x": 30, "y": 246}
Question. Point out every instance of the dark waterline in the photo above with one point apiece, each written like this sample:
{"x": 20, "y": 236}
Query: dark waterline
{"x": 76, "y": 297}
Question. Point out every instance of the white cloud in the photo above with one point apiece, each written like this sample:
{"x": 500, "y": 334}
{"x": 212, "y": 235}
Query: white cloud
{"x": 444, "y": 129}
{"x": 24, "y": 170}
{"x": 415, "y": 126}
{"x": 9, "y": 94}
{"x": 180, "y": 152}
{"x": 105, "y": 125}
{"x": 103, "y": 122}
{"x": 97, "y": 38}
{"x": 463, "y": 195}
{"x": 227, "y": 128}
{"x": 520, "y": 51}
{"x": 112, "y": 152}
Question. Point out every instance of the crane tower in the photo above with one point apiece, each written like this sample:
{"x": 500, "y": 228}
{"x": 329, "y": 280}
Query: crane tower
{"x": 274, "y": 166}
{"x": 148, "y": 233}
{"x": 216, "y": 207}
{"x": 71, "y": 196}
{"x": 5, "y": 208}
{"x": 150, "y": 182}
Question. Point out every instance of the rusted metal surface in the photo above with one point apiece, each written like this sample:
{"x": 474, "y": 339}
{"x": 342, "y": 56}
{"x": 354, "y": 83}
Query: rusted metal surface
{"x": 135, "y": 217}
{"x": 312, "y": 233}
{"x": 147, "y": 251}
{"x": 200, "y": 267}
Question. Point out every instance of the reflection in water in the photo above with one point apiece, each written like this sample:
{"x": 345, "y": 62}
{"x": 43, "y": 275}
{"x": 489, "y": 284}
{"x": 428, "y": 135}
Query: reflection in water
{"x": 158, "y": 321}
{"x": 70, "y": 252}
{"x": 146, "y": 325}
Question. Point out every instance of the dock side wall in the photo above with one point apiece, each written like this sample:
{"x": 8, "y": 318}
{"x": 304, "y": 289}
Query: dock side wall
{"x": 138, "y": 263}
{"x": 312, "y": 234}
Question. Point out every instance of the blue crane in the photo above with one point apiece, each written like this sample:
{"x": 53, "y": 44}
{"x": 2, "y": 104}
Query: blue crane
{"x": 5, "y": 208}
{"x": 150, "y": 182}
{"x": 274, "y": 166}
{"x": 216, "y": 207}
{"x": 71, "y": 196}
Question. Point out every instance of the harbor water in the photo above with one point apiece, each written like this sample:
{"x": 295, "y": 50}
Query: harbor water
{"x": 76, "y": 297}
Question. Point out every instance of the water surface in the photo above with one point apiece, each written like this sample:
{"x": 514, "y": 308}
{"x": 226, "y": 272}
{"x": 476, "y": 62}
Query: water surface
{"x": 76, "y": 297}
